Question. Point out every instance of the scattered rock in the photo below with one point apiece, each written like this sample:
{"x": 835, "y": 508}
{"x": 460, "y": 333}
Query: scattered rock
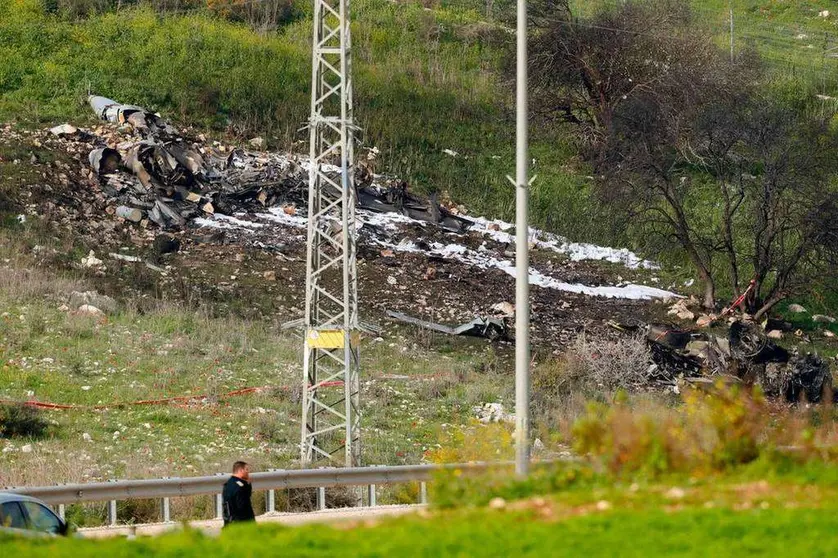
{"x": 680, "y": 310}
{"x": 603, "y": 505}
{"x": 27, "y": 448}
{"x": 774, "y": 334}
{"x": 538, "y": 445}
{"x": 92, "y": 299}
{"x": 86, "y": 437}
{"x": 257, "y": 142}
{"x": 705, "y": 320}
{"x": 827, "y": 333}
{"x": 823, "y": 13}
{"x": 797, "y": 309}
{"x": 91, "y": 261}
{"x": 675, "y": 493}
{"x": 269, "y": 275}
{"x": 89, "y": 310}
{"x": 823, "y": 319}
{"x": 391, "y": 280}
{"x": 497, "y": 503}
{"x": 493, "y": 412}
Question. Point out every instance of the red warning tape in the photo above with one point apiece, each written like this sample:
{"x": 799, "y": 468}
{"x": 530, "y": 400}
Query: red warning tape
{"x": 164, "y": 401}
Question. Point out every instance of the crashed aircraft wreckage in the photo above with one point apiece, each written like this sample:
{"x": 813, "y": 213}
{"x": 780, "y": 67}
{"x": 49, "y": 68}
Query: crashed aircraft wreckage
{"x": 745, "y": 355}
{"x": 170, "y": 179}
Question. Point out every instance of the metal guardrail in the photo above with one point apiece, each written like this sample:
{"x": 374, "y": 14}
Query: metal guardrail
{"x": 164, "y": 489}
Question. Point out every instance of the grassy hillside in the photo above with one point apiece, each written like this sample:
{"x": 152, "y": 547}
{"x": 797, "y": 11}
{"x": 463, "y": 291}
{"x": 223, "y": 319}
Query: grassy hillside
{"x": 426, "y": 81}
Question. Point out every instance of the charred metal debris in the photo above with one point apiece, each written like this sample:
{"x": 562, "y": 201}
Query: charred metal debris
{"x": 169, "y": 179}
{"x": 744, "y": 354}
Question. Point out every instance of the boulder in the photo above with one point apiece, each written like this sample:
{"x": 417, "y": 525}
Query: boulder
{"x": 823, "y": 319}
{"x": 91, "y": 260}
{"x": 103, "y": 303}
{"x": 89, "y": 310}
{"x": 705, "y": 320}
{"x": 797, "y": 309}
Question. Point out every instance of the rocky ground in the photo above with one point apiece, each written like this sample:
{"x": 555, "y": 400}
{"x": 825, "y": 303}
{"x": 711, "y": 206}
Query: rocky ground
{"x": 253, "y": 262}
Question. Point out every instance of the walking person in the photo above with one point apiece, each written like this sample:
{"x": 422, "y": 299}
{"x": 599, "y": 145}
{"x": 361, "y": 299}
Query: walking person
{"x": 236, "y": 495}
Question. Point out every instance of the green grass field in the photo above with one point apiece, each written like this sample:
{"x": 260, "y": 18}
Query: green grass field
{"x": 709, "y": 517}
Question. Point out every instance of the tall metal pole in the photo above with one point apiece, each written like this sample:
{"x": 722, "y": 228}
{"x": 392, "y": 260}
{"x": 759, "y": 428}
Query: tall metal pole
{"x": 330, "y": 432}
{"x": 522, "y": 264}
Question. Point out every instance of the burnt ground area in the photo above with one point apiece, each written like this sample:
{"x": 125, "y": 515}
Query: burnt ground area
{"x": 260, "y": 273}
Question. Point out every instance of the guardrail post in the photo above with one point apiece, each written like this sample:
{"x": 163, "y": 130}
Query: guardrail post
{"x": 270, "y": 501}
{"x": 62, "y": 512}
{"x": 166, "y": 510}
{"x": 371, "y": 498}
{"x": 321, "y": 497}
{"x": 112, "y": 512}
{"x": 219, "y": 514}
{"x": 423, "y": 492}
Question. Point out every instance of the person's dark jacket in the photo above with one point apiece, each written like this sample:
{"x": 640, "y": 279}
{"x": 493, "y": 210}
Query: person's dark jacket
{"x": 236, "y": 501}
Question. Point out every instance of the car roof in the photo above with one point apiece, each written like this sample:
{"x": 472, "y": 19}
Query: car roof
{"x": 14, "y": 497}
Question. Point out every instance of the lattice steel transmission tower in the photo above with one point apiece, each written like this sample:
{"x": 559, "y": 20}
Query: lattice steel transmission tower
{"x": 330, "y": 395}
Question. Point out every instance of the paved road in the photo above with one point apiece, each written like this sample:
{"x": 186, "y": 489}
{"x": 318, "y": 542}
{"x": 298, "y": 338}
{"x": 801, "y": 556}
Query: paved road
{"x": 213, "y": 526}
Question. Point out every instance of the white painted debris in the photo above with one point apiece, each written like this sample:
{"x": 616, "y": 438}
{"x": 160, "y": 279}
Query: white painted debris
{"x": 823, "y": 13}
{"x": 63, "y": 130}
{"x": 125, "y": 257}
{"x": 576, "y": 251}
{"x": 129, "y": 213}
{"x": 450, "y": 152}
{"x": 505, "y": 309}
{"x": 86, "y": 437}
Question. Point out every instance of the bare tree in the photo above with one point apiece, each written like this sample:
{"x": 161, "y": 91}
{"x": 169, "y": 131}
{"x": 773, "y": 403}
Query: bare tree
{"x": 689, "y": 148}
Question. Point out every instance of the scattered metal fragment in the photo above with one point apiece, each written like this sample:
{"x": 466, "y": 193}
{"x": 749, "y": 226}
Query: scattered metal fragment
{"x": 64, "y": 130}
{"x": 488, "y": 328}
{"x": 105, "y": 160}
{"x": 140, "y": 118}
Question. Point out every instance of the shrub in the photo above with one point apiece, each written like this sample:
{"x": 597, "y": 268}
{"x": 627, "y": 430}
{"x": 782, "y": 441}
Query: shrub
{"x": 715, "y": 430}
{"x": 21, "y": 421}
{"x": 597, "y": 366}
